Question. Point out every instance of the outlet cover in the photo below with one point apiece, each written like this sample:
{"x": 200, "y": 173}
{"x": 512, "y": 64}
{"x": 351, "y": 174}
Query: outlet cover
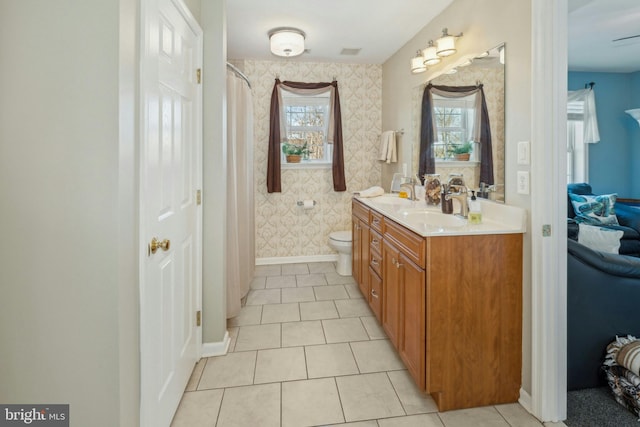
{"x": 523, "y": 182}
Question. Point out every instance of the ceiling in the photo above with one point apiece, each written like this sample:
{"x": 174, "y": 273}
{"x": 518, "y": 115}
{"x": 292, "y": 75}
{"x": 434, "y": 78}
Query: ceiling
{"x": 380, "y": 28}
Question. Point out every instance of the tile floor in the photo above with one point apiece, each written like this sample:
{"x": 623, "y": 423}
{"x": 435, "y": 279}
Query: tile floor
{"x": 307, "y": 351}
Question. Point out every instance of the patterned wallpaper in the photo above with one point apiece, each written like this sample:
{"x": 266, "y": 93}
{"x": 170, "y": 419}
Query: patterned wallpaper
{"x": 284, "y": 229}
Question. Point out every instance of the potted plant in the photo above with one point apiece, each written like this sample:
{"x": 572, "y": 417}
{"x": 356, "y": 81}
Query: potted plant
{"x": 294, "y": 152}
{"x": 463, "y": 151}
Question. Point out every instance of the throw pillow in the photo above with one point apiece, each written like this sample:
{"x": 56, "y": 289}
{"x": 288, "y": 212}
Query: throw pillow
{"x": 595, "y": 210}
{"x": 599, "y": 238}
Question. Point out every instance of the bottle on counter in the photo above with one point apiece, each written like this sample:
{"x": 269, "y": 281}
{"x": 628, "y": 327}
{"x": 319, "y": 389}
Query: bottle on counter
{"x": 475, "y": 210}
{"x": 432, "y": 189}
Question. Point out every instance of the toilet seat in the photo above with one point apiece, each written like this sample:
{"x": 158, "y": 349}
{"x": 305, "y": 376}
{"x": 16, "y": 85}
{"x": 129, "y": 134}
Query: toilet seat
{"x": 341, "y": 236}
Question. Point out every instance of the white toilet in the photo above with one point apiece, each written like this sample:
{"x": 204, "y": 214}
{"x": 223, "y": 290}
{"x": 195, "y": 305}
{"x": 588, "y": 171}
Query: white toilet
{"x": 341, "y": 242}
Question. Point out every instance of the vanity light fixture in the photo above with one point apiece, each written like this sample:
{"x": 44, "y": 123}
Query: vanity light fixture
{"x": 418, "y": 64}
{"x": 446, "y": 45}
{"x": 430, "y": 55}
{"x": 287, "y": 42}
{"x": 635, "y": 113}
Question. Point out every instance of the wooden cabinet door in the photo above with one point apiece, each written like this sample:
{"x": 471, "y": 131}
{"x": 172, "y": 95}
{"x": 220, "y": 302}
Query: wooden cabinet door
{"x": 356, "y": 252}
{"x": 375, "y": 295}
{"x": 412, "y": 343}
{"x": 391, "y": 285}
{"x": 360, "y": 255}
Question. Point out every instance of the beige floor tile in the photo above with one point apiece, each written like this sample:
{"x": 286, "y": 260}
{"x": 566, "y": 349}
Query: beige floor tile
{"x": 311, "y": 280}
{"x": 198, "y": 409}
{"x": 425, "y": 420}
{"x": 353, "y": 290}
{"x": 516, "y": 415}
{"x": 318, "y": 310}
{"x": 331, "y": 292}
{"x": 374, "y": 328}
{"x": 293, "y": 269}
{"x": 259, "y": 282}
{"x": 486, "y": 416}
{"x": 278, "y": 313}
{"x": 194, "y": 379}
{"x": 231, "y": 370}
{"x": 414, "y": 401}
{"x": 310, "y": 403}
{"x": 255, "y": 405}
{"x": 344, "y": 330}
{"x": 267, "y": 270}
{"x": 376, "y": 356}
{"x": 370, "y": 423}
{"x": 368, "y": 396}
{"x": 298, "y": 295}
{"x": 263, "y": 296}
{"x": 233, "y": 337}
{"x": 334, "y": 278}
{"x": 330, "y": 360}
{"x": 257, "y": 337}
{"x": 280, "y": 364}
{"x": 353, "y": 308}
{"x": 322, "y": 267}
{"x": 302, "y": 333}
{"x": 249, "y": 315}
{"x": 281, "y": 282}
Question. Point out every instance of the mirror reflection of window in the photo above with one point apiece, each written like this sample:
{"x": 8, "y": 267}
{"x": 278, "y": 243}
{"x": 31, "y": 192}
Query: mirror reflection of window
{"x": 454, "y": 120}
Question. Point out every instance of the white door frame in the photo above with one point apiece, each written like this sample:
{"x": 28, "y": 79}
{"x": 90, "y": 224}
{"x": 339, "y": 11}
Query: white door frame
{"x": 549, "y": 207}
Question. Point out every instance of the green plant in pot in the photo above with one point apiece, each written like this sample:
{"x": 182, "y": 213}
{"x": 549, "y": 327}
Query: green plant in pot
{"x": 294, "y": 152}
{"x": 463, "y": 151}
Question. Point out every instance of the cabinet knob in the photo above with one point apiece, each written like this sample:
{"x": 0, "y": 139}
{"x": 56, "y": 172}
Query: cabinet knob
{"x": 374, "y": 261}
{"x": 374, "y": 241}
{"x": 374, "y": 294}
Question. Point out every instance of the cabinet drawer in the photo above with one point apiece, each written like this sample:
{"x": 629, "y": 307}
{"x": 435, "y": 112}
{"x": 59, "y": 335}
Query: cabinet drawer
{"x": 375, "y": 295}
{"x": 410, "y": 243}
{"x": 376, "y": 221}
{"x": 375, "y": 262}
{"x": 375, "y": 241}
{"x": 359, "y": 210}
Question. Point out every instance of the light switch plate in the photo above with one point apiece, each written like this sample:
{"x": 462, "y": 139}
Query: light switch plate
{"x": 523, "y": 153}
{"x": 523, "y": 182}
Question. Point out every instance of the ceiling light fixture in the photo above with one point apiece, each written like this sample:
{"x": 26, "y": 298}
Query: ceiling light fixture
{"x": 635, "y": 113}
{"x": 287, "y": 42}
{"x": 446, "y": 45}
{"x": 430, "y": 55}
{"x": 418, "y": 64}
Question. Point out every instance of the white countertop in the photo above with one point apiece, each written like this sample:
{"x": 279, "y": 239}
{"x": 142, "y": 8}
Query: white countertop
{"x": 429, "y": 221}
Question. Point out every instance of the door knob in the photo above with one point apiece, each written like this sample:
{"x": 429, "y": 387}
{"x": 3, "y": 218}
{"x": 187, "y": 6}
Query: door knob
{"x": 155, "y": 244}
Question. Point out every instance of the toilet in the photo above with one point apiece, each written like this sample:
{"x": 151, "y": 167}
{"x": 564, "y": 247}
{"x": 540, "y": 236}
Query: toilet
{"x": 341, "y": 242}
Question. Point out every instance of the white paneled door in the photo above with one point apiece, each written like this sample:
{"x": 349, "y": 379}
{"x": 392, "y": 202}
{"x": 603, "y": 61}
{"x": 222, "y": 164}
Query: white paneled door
{"x": 170, "y": 153}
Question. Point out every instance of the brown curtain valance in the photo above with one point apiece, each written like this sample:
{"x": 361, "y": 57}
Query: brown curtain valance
{"x": 482, "y": 134}
{"x": 277, "y": 134}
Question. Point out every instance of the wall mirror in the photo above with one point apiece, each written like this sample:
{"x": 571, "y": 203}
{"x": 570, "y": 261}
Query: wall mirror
{"x": 455, "y": 118}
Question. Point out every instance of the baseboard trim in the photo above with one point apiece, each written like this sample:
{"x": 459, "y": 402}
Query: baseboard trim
{"x": 210, "y": 349}
{"x": 297, "y": 259}
{"x": 525, "y": 400}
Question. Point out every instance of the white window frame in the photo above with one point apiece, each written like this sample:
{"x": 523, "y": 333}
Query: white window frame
{"x": 577, "y": 150}
{"x": 322, "y": 100}
{"x": 466, "y": 104}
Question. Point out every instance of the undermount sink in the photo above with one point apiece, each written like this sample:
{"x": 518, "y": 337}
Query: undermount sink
{"x": 390, "y": 199}
{"x": 431, "y": 218}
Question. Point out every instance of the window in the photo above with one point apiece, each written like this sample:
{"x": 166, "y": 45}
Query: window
{"x": 577, "y": 152}
{"x": 454, "y": 126}
{"x": 307, "y": 121}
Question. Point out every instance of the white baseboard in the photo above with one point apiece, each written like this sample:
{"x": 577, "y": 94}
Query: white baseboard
{"x": 297, "y": 259}
{"x": 525, "y": 400}
{"x": 210, "y": 349}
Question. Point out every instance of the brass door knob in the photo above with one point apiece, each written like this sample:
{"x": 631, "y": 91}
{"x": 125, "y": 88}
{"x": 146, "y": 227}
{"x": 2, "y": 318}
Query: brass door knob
{"x": 155, "y": 244}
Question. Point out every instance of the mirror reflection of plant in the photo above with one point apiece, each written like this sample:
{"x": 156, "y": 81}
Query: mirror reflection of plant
{"x": 464, "y": 148}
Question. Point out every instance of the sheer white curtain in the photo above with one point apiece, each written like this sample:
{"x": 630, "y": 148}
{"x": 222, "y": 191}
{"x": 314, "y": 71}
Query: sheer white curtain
{"x": 582, "y": 129}
{"x": 240, "y": 204}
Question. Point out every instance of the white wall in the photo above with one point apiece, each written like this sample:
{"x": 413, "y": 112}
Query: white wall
{"x": 67, "y": 188}
{"x": 485, "y": 24}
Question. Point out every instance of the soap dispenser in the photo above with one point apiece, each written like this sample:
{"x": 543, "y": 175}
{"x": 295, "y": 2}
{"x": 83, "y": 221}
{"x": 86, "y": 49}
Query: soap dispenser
{"x": 475, "y": 212}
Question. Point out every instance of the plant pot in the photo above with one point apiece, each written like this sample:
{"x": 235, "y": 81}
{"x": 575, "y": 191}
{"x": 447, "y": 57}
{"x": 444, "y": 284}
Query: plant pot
{"x": 293, "y": 158}
{"x": 463, "y": 156}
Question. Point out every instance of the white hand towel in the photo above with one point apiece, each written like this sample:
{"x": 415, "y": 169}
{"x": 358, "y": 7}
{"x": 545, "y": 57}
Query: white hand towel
{"x": 388, "y": 147}
{"x": 372, "y": 192}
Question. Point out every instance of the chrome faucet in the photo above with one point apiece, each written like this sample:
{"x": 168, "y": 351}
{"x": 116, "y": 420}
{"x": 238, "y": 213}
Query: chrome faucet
{"x": 412, "y": 191}
{"x": 461, "y": 196}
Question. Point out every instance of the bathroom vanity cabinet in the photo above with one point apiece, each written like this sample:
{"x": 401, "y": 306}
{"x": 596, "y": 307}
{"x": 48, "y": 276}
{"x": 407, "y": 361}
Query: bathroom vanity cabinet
{"x": 450, "y": 304}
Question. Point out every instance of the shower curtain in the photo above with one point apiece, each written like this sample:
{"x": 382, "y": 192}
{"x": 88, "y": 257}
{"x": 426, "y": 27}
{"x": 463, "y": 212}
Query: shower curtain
{"x": 240, "y": 205}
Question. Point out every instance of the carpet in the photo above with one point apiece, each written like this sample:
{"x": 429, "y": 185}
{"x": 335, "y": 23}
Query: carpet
{"x": 596, "y": 407}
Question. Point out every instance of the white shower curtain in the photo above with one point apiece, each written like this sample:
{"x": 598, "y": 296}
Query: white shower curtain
{"x": 240, "y": 205}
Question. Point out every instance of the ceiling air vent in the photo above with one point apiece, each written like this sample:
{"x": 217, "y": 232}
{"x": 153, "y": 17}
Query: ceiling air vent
{"x": 350, "y": 51}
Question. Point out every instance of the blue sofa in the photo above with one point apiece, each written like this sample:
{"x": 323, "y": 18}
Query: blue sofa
{"x": 628, "y": 218}
{"x": 603, "y": 300}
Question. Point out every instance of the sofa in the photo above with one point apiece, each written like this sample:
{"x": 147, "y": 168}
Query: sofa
{"x": 603, "y": 301}
{"x": 628, "y": 218}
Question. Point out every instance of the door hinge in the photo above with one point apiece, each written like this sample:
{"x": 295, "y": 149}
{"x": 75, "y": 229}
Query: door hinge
{"x": 198, "y": 318}
{"x": 199, "y": 75}
{"x": 199, "y": 197}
